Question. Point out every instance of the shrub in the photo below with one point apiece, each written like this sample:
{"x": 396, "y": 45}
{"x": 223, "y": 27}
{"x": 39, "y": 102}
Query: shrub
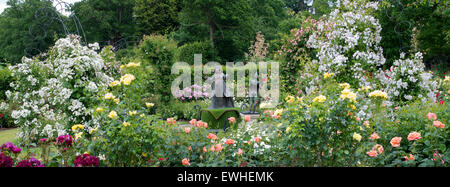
{"x": 54, "y": 93}
{"x": 159, "y": 51}
{"x": 5, "y": 80}
{"x": 187, "y": 51}
{"x": 182, "y": 110}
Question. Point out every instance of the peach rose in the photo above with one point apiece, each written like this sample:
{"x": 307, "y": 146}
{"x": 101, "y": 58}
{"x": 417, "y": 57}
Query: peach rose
{"x": 414, "y": 136}
{"x": 257, "y": 139}
{"x": 438, "y": 124}
{"x": 205, "y": 125}
{"x": 395, "y": 142}
{"x": 199, "y": 123}
{"x": 190, "y": 148}
{"x": 374, "y": 136}
{"x": 193, "y": 122}
{"x": 431, "y": 116}
{"x": 372, "y": 153}
{"x": 410, "y": 157}
{"x": 171, "y": 121}
{"x": 247, "y": 118}
{"x": 185, "y": 162}
{"x": 212, "y": 148}
{"x": 229, "y": 142}
{"x": 187, "y": 130}
{"x": 205, "y": 150}
{"x": 219, "y": 147}
{"x": 379, "y": 148}
{"x": 232, "y": 120}
{"x": 358, "y": 119}
{"x": 212, "y": 136}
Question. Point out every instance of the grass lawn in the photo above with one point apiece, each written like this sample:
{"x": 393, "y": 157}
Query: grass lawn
{"x": 8, "y": 135}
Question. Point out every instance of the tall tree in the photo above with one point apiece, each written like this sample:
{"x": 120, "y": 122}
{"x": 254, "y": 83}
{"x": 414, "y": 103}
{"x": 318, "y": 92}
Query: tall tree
{"x": 27, "y": 28}
{"x": 156, "y": 16}
{"x": 228, "y": 25}
{"x": 106, "y": 21}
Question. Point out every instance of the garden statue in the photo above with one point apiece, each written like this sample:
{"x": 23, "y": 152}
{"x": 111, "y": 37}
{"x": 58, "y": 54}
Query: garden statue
{"x": 224, "y": 100}
{"x": 253, "y": 94}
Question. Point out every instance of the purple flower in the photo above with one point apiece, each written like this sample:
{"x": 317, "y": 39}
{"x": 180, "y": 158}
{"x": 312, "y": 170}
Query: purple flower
{"x": 10, "y": 147}
{"x": 5, "y": 161}
{"x": 30, "y": 163}
{"x": 86, "y": 160}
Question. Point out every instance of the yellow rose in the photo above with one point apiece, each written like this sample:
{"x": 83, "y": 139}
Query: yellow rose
{"x": 116, "y": 101}
{"x": 149, "y": 105}
{"x": 320, "y": 99}
{"x": 99, "y": 110}
{"x": 122, "y": 66}
{"x": 378, "y": 93}
{"x": 133, "y": 65}
{"x": 288, "y": 129}
{"x": 114, "y": 83}
{"x": 357, "y": 136}
{"x": 78, "y": 135}
{"x": 93, "y": 130}
{"x": 109, "y": 96}
{"x": 131, "y": 113}
{"x": 112, "y": 115}
{"x": 290, "y": 99}
{"x": 127, "y": 78}
{"x": 345, "y": 85}
{"x": 126, "y": 124}
{"x": 77, "y": 126}
{"x": 327, "y": 75}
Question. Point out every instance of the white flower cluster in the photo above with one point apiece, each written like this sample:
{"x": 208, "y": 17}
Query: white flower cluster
{"x": 407, "y": 79}
{"x": 48, "y": 91}
{"x": 351, "y": 42}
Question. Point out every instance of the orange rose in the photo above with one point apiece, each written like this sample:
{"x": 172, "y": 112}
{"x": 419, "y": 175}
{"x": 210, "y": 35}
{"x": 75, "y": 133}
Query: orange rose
{"x": 395, "y": 142}
{"x": 212, "y": 136}
{"x": 438, "y": 124}
{"x": 257, "y": 139}
{"x": 410, "y": 157}
{"x": 229, "y": 142}
{"x": 185, "y": 162}
{"x": 219, "y": 147}
{"x": 247, "y": 118}
{"x": 372, "y": 153}
{"x": 414, "y": 136}
{"x": 374, "y": 136}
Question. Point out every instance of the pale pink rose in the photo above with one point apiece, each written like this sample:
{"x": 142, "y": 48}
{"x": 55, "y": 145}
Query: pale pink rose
{"x": 414, "y": 136}
{"x": 338, "y": 132}
{"x": 366, "y": 123}
{"x": 232, "y": 120}
{"x": 240, "y": 151}
{"x": 374, "y": 136}
{"x": 187, "y": 130}
{"x": 431, "y": 116}
{"x": 395, "y": 142}
{"x": 372, "y": 153}
{"x": 247, "y": 118}
{"x": 185, "y": 162}
{"x": 396, "y": 108}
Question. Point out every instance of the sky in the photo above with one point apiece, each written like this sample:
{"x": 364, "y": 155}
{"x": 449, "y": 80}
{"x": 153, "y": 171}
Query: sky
{"x": 3, "y": 3}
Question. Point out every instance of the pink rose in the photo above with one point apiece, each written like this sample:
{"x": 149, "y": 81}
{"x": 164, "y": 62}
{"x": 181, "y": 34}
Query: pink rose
{"x": 431, "y": 116}
{"x": 414, "y": 136}
{"x": 395, "y": 142}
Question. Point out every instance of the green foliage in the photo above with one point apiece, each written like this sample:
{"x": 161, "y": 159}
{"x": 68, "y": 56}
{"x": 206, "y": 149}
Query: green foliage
{"x": 187, "y": 51}
{"x": 181, "y": 110}
{"x": 21, "y": 33}
{"x": 106, "y": 21}
{"x": 216, "y": 118}
{"x": 156, "y": 16}
{"x": 228, "y": 25}
{"x": 160, "y": 52}
{"x": 5, "y": 79}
